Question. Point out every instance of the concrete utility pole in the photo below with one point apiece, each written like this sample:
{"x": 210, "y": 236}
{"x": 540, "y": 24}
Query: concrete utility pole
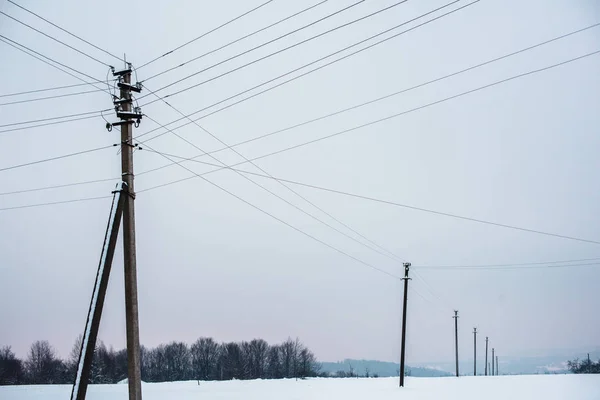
{"x": 492, "y": 361}
{"x": 486, "y": 354}
{"x": 128, "y": 117}
{"x": 456, "y": 339}
{"x": 474, "y": 351}
{"x": 403, "y": 343}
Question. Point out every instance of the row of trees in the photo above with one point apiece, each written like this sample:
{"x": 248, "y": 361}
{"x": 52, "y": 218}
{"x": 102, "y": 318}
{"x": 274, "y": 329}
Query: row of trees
{"x": 585, "y": 366}
{"x": 205, "y": 359}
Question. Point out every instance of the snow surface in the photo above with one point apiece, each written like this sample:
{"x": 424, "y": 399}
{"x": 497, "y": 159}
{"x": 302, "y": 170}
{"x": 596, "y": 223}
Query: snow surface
{"x": 545, "y": 387}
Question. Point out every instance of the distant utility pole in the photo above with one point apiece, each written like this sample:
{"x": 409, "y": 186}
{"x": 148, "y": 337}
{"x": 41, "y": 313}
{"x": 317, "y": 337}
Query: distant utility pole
{"x": 589, "y": 364}
{"x": 486, "y": 354}
{"x": 497, "y": 372}
{"x": 403, "y": 344}
{"x": 123, "y": 107}
{"x": 456, "y": 338}
{"x": 492, "y": 361}
{"x": 474, "y": 351}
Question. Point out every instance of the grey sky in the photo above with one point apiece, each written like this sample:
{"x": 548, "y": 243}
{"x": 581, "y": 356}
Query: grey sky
{"x": 521, "y": 153}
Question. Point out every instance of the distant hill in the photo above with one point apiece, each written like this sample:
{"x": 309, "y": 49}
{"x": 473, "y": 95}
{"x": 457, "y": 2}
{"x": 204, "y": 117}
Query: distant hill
{"x": 380, "y": 368}
{"x": 550, "y": 362}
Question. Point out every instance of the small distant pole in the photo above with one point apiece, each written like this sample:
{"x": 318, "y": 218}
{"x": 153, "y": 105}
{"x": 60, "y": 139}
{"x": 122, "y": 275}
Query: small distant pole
{"x": 497, "y": 372}
{"x": 589, "y": 364}
{"x": 486, "y": 356}
{"x": 403, "y": 344}
{"x": 493, "y": 361}
{"x": 456, "y": 338}
{"x": 474, "y": 351}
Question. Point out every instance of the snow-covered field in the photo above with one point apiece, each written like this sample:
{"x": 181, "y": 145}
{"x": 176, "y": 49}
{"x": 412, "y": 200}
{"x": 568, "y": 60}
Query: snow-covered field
{"x": 530, "y": 387}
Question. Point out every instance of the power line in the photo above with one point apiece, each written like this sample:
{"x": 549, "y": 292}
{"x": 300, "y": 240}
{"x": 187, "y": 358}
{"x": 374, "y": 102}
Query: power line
{"x": 50, "y": 97}
{"x": 382, "y": 97}
{"x": 55, "y": 202}
{"x": 542, "y": 263}
{"x": 53, "y": 38}
{"x": 66, "y": 31}
{"x": 236, "y": 40}
{"x": 318, "y": 68}
{"x": 206, "y": 33}
{"x": 54, "y": 118}
{"x": 275, "y": 217}
{"x": 363, "y": 197}
{"x": 515, "y": 267}
{"x": 48, "y": 123}
{"x": 58, "y": 186}
{"x": 55, "y": 158}
{"x": 273, "y": 53}
{"x": 54, "y": 61}
{"x": 47, "y": 89}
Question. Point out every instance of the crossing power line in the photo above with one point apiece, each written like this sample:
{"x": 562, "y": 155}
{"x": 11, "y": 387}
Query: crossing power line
{"x": 277, "y": 218}
{"x": 358, "y": 196}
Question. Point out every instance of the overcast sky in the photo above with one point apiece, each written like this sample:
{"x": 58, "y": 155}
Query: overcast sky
{"x": 522, "y": 153}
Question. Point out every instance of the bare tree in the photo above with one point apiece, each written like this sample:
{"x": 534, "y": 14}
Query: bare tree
{"x": 204, "y": 358}
{"x": 42, "y": 365}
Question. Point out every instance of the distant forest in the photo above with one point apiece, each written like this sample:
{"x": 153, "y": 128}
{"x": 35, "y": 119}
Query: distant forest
{"x": 205, "y": 359}
{"x": 584, "y": 366}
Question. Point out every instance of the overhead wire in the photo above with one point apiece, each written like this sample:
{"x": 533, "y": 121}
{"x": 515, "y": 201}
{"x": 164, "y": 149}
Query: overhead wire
{"x": 475, "y": 268}
{"x": 49, "y": 97}
{"x": 270, "y": 54}
{"x": 539, "y": 263}
{"x": 363, "y": 197}
{"x": 55, "y": 39}
{"x": 54, "y": 203}
{"x": 55, "y": 158}
{"x": 46, "y": 89}
{"x": 58, "y": 186}
{"x": 206, "y": 33}
{"x": 236, "y": 40}
{"x": 48, "y": 123}
{"x": 54, "y": 118}
{"x": 66, "y": 31}
{"x": 318, "y": 68}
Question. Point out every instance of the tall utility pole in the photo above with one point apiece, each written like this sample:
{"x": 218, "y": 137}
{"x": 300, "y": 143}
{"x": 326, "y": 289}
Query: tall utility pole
{"x": 128, "y": 117}
{"x": 456, "y": 339}
{"x": 486, "y": 354}
{"x": 474, "y": 351}
{"x": 403, "y": 344}
{"x": 492, "y": 361}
